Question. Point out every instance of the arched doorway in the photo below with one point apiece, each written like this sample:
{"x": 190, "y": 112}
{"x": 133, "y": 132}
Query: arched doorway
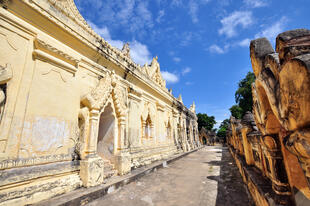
{"x": 107, "y": 133}
{"x": 204, "y": 141}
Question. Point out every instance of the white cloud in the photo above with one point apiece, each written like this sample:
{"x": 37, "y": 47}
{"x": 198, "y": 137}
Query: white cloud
{"x": 143, "y": 14}
{"x": 131, "y": 16}
{"x": 224, "y": 2}
{"x": 189, "y": 83}
{"x": 272, "y": 31}
{"x": 186, "y": 70}
{"x": 193, "y": 9}
{"x": 186, "y": 38}
{"x": 125, "y": 11}
{"x": 102, "y": 31}
{"x": 170, "y": 77}
{"x": 244, "y": 42}
{"x": 138, "y": 51}
{"x": 171, "y": 53}
{"x": 269, "y": 32}
{"x": 218, "y": 123}
{"x": 218, "y": 50}
{"x": 105, "y": 33}
{"x": 176, "y": 2}
{"x": 161, "y": 13}
{"x": 255, "y": 3}
{"x": 235, "y": 19}
{"x": 176, "y": 59}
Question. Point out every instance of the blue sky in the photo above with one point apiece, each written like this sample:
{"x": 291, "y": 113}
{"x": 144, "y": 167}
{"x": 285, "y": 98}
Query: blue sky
{"x": 202, "y": 45}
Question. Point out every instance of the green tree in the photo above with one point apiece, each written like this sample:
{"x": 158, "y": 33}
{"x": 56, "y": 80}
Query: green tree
{"x": 205, "y": 121}
{"x": 243, "y": 95}
{"x": 225, "y": 124}
{"x": 236, "y": 111}
{"x": 221, "y": 132}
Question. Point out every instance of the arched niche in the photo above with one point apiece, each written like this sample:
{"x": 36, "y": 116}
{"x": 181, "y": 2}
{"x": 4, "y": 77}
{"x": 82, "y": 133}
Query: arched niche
{"x": 147, "y": 127}
{"x": 106, "y": 94}
{"x": 107, "y": 133}
{"x": 168, "y": 130}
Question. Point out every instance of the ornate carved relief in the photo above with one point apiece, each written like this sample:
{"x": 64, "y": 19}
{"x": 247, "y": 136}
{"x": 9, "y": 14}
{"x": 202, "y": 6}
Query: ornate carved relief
{"x": 68, "y": 8}
{"x": 97, "y": 98}
{"x": 106, "y": 88}
{"x": 106, "y": 91}
{"x": 119, "y": 96}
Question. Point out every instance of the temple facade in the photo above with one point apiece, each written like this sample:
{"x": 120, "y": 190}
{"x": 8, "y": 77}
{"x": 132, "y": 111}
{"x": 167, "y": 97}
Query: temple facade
{"x": 272, "y": 145}
{"x": 73, "y": 109}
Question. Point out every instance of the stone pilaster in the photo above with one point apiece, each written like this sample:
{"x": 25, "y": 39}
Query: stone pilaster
{"x": 122, "y": 158}
{"x": 92, "y": 167}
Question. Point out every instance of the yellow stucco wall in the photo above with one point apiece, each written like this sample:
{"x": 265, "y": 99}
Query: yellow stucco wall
{"x": 57, "y": 77}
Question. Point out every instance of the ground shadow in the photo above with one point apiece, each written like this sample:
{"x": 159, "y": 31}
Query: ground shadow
{"x": 231, "y": 189}
{"x": 214, "y": 163}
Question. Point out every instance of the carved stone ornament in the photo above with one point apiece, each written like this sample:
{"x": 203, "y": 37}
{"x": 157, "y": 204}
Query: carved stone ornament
{"x": 126, "y": 50}
{"x": 99, "y": 95}
{"x": 92, "y": 171}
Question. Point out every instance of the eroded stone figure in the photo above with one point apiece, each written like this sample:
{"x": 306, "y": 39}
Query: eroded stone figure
{"x": 5, "y": 75}
{"x": 282, "y": 102}
{"x": 278, "y": 142}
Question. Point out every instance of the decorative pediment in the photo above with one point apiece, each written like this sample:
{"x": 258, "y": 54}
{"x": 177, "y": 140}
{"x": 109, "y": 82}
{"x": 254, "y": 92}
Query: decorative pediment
{"x": 107, "y": 88}
{"x": 99, "y": 95}
{"x": 153, "y": 72}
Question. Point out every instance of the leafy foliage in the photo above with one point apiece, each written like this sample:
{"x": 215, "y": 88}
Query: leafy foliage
{"x": 236, "y": 111}
{"x": 221, "y": 133}
{"x": 243, "y": 95}
{"x": 205, "y": 121}
{"x": 225, "y": 124}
